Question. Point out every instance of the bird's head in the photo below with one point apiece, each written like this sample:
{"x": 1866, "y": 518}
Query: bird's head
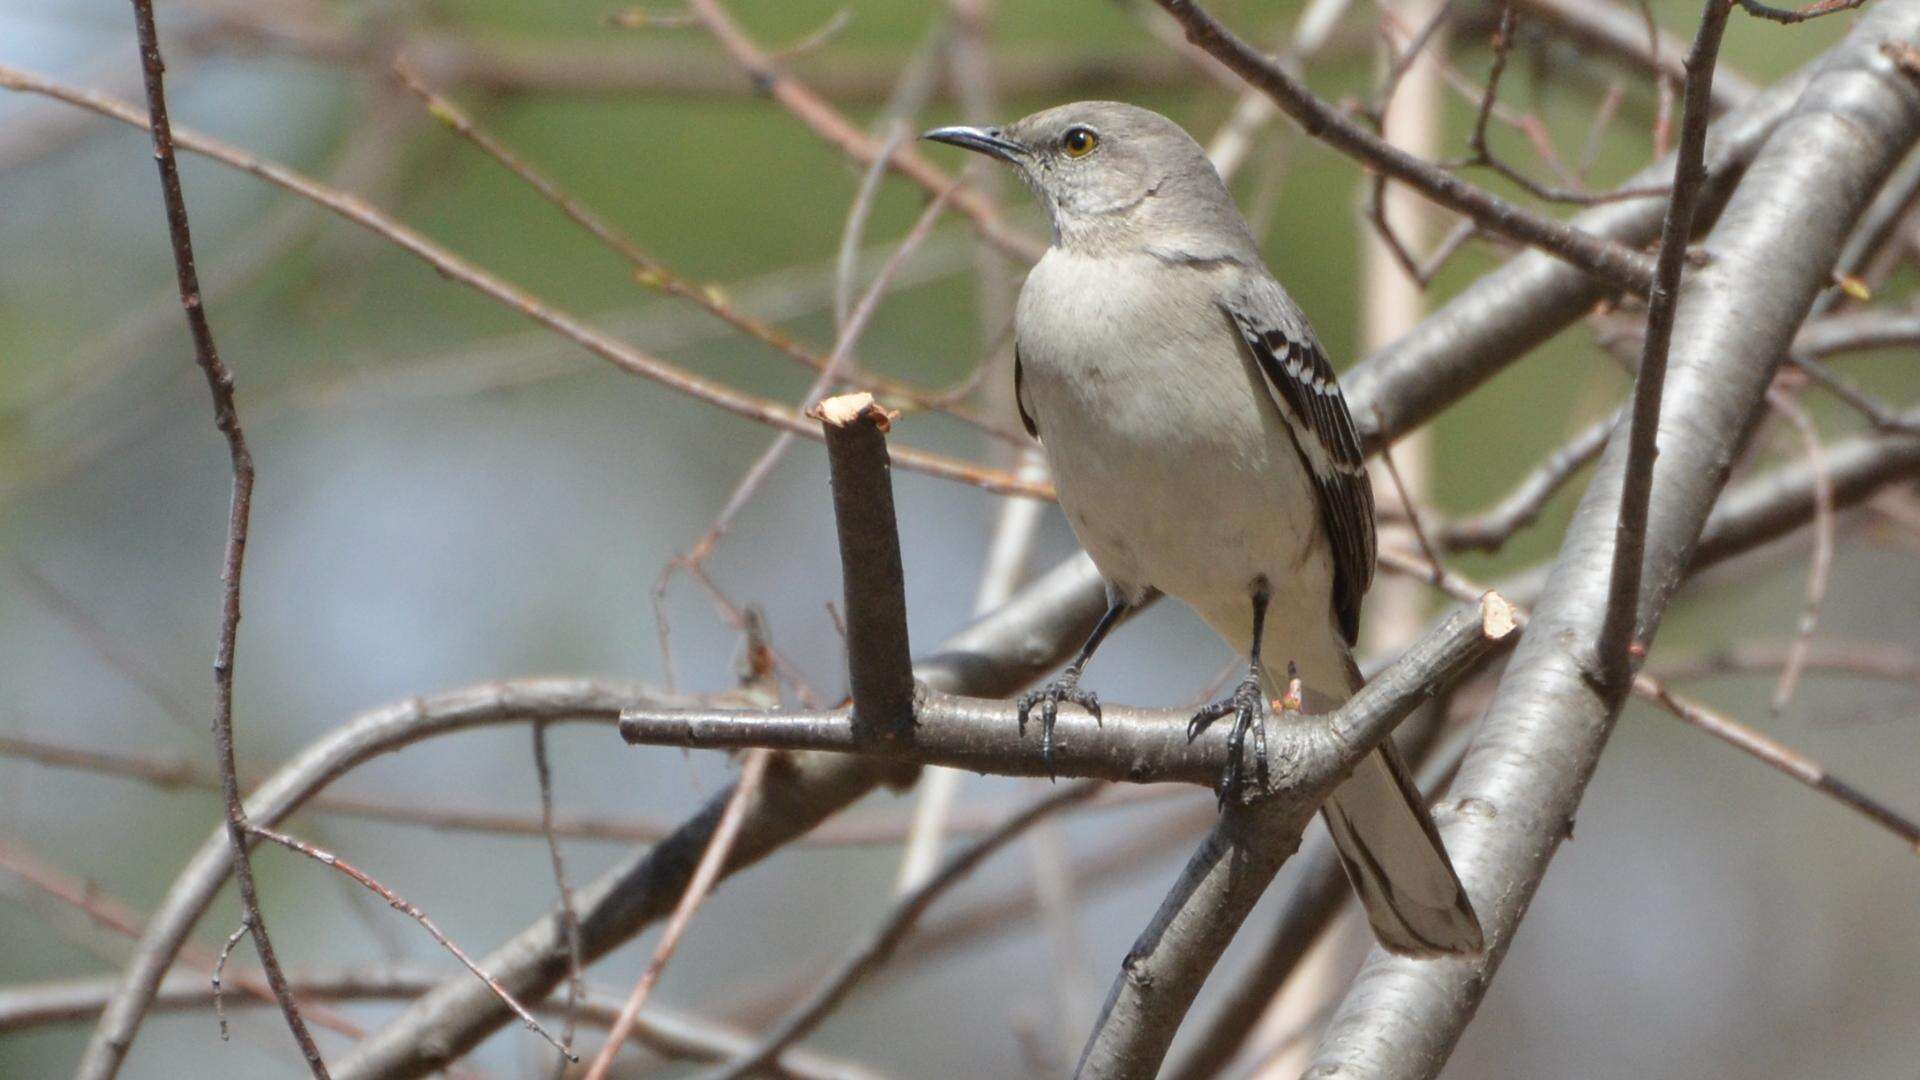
{"x": 1115, "y": 177}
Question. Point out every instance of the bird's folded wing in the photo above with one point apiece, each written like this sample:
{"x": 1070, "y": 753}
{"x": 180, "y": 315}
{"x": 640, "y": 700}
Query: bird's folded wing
{"x": 1303, "y": 385}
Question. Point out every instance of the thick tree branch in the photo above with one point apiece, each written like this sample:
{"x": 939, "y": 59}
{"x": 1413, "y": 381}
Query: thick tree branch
{"x": 1550, "y": 719}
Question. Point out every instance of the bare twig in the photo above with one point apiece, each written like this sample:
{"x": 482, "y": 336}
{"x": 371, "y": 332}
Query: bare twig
{"x": 220, "y": 971}
{"x": 899, "y": 922}
{"x": 227, "y": 418}
{"x": 401, "y": 904}
{"x": 698, "y": 886}
{"x": 1620, "y": 635}
{"x": 569, "y": 916}
{"x": 670, "y": 1033}
{"x": 1613, "y": 29}
{"x": 654, "y": 274}
{"x": 458, "y": 269}
{"x": 1821, "y": 567}
{"x": 1610, "y": 262}
{"x": 1799, "y": 14}
{"x": 827, "y": 122}
{"x": 1482, "y": 151}
{"x": 1127, "y": 744}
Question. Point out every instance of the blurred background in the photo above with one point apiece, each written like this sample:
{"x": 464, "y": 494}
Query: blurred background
{"x": 449, "y": 494}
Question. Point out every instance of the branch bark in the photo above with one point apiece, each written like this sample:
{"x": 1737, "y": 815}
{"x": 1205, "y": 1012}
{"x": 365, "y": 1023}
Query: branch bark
{"x": 1550, "y": 719}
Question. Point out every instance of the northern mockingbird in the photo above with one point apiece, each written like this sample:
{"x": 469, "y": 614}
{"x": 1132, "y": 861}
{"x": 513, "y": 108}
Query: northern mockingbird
{"x": 1201, "y": 447}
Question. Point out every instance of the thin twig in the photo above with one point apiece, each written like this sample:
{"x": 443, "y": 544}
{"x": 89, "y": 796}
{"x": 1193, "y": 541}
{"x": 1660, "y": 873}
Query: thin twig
{"x": 898, "y": 924}
{"x": 830, "y": 124}
{"x": 704, "y": 875}
{"x": 1799, "y": 14}
{"x": 220, "y": 971}
{"x": 1602, "y": 258}
{"x": 227, "y": 419}
{"x": 458, "y": 269}
{"x": 400, "y": 904}
{"x": 654, "y": 274}
{"x": 1619, "y": 632}
{"x": 1821, "y": 567}
{"x": 569, "y": 917}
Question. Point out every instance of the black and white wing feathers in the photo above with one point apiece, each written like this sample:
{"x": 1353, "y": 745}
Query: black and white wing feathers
{"x": 1304, "y": 387}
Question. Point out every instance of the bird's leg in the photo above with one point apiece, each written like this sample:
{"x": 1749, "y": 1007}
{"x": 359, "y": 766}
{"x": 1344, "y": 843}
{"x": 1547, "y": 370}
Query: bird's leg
{"x": 1248, "y": 706}
{"x": 1067, "y": 686}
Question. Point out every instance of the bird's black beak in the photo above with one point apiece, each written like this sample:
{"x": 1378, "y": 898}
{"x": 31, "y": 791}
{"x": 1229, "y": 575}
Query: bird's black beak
{"x": 985, "y": 140}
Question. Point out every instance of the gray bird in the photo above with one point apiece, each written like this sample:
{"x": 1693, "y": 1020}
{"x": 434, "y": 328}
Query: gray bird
{"x": 1201, "y": 447}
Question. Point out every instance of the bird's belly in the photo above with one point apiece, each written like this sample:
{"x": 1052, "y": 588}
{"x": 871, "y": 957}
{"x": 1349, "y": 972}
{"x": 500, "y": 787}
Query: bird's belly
{"x": 1180, "y": 483}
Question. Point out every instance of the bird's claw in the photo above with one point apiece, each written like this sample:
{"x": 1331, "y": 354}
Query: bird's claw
{"x": 1248, "y": 707}
{"x": 1048, "y": 698}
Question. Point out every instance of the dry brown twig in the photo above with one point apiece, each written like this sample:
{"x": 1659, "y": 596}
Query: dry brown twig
{"x": 400, "y": 904}
{"x": 227, "y": 419}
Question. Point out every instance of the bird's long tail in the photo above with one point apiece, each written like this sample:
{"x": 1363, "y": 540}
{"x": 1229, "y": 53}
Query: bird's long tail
{"x": 1390, "y": 848}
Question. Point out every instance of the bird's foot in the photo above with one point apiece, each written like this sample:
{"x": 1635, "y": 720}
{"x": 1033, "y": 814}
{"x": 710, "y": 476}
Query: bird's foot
{"x": 1048, "y": 698}
{"x": 1248, "y": 707}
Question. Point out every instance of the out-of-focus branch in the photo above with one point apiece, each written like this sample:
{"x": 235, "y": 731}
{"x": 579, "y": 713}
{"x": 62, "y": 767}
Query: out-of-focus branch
{"x": 900, "y": 921}
{"x": 226, "y": 417}
{"x": 455, "y": 268}
{"x": 1492, "y": 527}
{"x": 1620, "y": 634}
{"x": 1550, "y": 719}
{"x": 1616, "y": 30}
{"x": 671, "y": 1033}
{"x": 1615, "y": 264}
{"x": 830, "y": 124}
{"x": 369, "y": 735}
{"x": 1768, "y": 507}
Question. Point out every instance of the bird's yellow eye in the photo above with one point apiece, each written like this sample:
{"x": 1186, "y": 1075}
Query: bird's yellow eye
{"x": 1079, "y": 142}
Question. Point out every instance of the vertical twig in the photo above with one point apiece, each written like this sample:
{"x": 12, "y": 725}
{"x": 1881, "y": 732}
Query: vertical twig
{"x": 879, "y": 658}
{"x": 569, "y": 916}
{"x": 227, "y": 418}
{"x": 1619, "y": 632}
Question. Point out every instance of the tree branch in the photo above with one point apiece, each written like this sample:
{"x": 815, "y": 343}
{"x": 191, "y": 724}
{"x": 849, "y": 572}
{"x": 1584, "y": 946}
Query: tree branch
{"x": 1615, "y": 264}
{"x": 1549, "y": 721}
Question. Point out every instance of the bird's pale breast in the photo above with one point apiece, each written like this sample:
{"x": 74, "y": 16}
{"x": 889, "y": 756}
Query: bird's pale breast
{"x": 1173, "y": 465}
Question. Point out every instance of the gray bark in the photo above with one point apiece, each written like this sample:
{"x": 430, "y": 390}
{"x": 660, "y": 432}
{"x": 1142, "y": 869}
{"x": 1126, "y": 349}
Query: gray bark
{"x": 1542, "y": 737}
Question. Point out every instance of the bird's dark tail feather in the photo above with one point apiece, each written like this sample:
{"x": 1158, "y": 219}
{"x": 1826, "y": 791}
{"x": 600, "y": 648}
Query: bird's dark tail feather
{"x": 1395, "y": 860}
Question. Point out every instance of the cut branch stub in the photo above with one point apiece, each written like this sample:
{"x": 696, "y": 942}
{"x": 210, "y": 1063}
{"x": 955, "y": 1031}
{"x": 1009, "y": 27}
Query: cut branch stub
{"x": 879, "y": 658}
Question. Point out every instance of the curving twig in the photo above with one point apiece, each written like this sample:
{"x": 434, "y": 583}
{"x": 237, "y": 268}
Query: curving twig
{"x": 227, "y": 418}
